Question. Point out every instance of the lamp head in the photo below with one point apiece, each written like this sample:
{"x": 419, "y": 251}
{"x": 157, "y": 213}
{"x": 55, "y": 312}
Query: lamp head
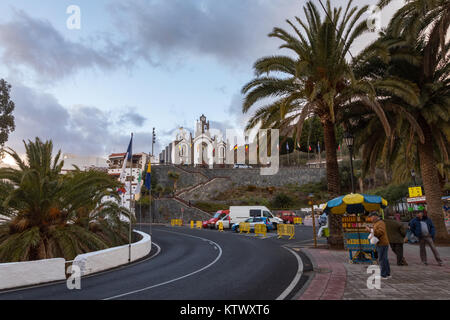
{"x": 349, "y": 139}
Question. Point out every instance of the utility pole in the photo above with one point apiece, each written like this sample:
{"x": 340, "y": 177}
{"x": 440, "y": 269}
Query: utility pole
{"x": 153, "y": 140}
{"x": 130, "y": 156}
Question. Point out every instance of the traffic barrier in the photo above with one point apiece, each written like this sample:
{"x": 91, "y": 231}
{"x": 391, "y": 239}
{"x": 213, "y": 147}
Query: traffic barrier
{"x": 192, "y": 224}
{"x": 286, "y": 230}
{"x": 220, "y": 226}
{"x": 198, "y": 224}
{"x": 298, "y": 220}
{"x": 244, "y": 227}
{"x": 176, "y": 222}
{"x": 260, "y": 229}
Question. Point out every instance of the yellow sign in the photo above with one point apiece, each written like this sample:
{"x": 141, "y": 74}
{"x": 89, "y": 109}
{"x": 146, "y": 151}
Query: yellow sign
{"x": 244, "y": 227}
{"x": 260, "y": 229}
{"x": 286, "y": 230}
{"x": 221, "y": 226}
{"x": 415, "y": 192}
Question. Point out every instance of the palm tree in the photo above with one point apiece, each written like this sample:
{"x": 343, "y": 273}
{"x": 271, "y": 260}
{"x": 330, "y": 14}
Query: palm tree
{"x": 318, "y": 80}
{"x": 55, "y": 215}
{"x": 416, "y": 41}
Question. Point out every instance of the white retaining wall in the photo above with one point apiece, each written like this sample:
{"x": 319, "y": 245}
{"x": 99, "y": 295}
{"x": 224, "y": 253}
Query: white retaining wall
{"x": 109, "y": 258}
{"x": 19, "y": 274}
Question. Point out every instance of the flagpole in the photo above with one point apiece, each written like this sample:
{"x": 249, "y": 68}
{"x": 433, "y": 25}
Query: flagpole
{"x": 131, "y": 176}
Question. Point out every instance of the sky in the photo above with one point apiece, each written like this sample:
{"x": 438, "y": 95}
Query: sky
{"x": 134, "y": 65}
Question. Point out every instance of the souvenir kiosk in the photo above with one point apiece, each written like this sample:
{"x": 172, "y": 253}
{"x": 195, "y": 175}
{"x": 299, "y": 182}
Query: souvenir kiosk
{"x": 354, "y": 209}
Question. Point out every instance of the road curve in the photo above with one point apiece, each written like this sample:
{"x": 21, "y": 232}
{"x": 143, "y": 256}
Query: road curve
{"x": 192, "y": 265}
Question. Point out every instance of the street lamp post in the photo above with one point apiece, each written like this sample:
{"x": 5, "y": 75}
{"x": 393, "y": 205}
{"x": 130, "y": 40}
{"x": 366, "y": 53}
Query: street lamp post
{"x": 349, "y": 140}
{"x": 311, "y": 203}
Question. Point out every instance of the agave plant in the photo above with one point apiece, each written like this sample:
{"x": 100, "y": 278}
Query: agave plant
{"x": 54, "y": 215}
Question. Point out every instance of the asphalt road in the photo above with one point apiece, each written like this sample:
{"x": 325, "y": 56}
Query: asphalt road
{"x": 192, "y": 265}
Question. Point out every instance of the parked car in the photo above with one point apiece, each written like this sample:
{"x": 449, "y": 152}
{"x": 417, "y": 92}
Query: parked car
{"x": 253, "y": 222}
{"x": 288, "y": 216}
{"x": 226, "y": 222}
{"x": 242, "y": 213}
{"x": 242, "y": 166}
{"x": 211, "y": 223}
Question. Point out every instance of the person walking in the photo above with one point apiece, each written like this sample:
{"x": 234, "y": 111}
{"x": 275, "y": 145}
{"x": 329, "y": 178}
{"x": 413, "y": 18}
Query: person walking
{"x": 379, "y": 231}
{"x": 396, "y": 232}
{"x": 423, "y": 228}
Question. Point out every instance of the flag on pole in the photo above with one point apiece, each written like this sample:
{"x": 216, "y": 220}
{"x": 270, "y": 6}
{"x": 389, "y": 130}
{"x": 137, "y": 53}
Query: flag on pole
{"x": 127, "y": 157}
{"x": 310, "y": 148}
{"x": 339, "y": 147}
{"x": 287, "y": 146}
{"x": 137, "y": 194}
{"x": 124, "y": 166}
{"x": 318, "y": 146}
{"x": 298, "y": 144}
{"x": 148, "y": 176}
{"x": 129, "y": 150}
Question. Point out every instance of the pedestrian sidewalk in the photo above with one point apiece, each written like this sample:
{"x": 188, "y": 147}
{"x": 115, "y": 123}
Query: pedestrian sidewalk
{"x": 336, "y": 279}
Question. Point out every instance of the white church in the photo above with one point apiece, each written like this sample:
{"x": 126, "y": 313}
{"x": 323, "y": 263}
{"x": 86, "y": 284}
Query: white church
{"x": 206, "y": 148}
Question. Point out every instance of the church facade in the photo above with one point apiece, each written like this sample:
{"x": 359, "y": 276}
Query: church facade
{"x": 206, "y": 147}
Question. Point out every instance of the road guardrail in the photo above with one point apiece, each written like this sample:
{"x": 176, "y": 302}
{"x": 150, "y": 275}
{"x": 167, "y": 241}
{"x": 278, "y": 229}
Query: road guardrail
{"x": 176, "y": 222}
{"x": 298, "y": 220}
{"x": 286, "y": 230}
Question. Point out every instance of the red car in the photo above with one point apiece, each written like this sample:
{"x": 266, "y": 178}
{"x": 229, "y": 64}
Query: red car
{"x": 288, "y": 216}
{"x": 211, "y": 223}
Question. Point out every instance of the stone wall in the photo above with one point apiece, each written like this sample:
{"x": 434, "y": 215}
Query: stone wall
{"x": 165, "y": 209}
{"x": 208, "y": 190}
{"x": 193, "y": 176}
{"x": 187, "y": 179}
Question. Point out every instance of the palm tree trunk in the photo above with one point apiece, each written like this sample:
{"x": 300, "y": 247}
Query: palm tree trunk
{"x": 336, "y": 238}
{"x": 431, "y": 184}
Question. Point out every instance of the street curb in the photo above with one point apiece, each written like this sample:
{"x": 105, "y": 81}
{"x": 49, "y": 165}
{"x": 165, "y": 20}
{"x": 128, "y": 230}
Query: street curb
{"x": 311, "y": 275}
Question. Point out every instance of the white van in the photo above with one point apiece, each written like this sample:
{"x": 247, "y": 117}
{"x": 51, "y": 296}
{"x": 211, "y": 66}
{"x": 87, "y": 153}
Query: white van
{"x": 241, "y": 213}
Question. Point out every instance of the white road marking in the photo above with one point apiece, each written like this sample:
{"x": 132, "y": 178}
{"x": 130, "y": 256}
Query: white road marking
{"x": 296, "y": 279}
{"x": 176, "y": 279}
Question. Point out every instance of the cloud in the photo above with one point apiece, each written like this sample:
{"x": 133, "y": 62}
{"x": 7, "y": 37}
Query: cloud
{"x": 82, "y": 130}
{"x": 132, "y": 117}
{"x": 233, "y": 31}
{"x": 29, "y": 43}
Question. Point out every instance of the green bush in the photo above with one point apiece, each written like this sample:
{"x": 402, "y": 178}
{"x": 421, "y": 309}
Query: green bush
{"x": 392, "y": 193}
{"x": 282, "y": 201}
